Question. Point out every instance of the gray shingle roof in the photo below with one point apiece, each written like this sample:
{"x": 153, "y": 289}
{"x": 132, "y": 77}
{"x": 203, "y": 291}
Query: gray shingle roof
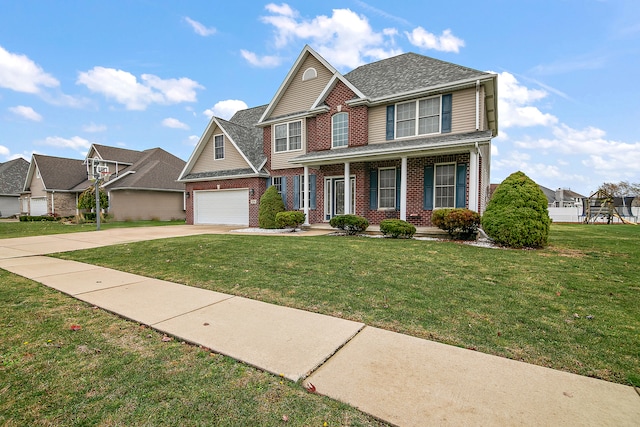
{"x": 406, "y": 73}
{"x": 12, "y": 176}
{"x": 59, "y": 173}
{"x": 155, "y": 169}
{"x": 241, "y": 128}
{"x": 220, "y": 174}
{"x": 117, "y": 154}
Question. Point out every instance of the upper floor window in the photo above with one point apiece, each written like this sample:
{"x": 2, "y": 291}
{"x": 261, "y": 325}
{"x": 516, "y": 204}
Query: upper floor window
{"x": 309, "y": 73}
{"x": 340, "y": 130}
{"x": 445, "y": 186}
{"x": 288, "y": 136}
{"x": 218, "y": 147}
{"x": 421, "y": 117}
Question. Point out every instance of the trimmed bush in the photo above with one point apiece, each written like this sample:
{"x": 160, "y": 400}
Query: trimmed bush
{"x": 270, "y": 204}
{"x": 397, "y": 228}
{"x": 27, "y": 218}
{"x": 87, "y": 199}
{"x": 517, "y": 215}
{"x": 289, "y": 219}
{"x": 352, "y": 224}
{"x": 460, "y": 223}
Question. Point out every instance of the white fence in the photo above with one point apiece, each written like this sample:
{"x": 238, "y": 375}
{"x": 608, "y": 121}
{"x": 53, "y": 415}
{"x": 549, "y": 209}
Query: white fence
{"x": 575, "y": 215}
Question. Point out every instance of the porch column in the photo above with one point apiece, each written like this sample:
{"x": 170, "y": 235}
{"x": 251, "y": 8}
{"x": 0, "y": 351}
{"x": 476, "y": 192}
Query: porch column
{"x": 347, "y": 188}
{"x": 473, "y": 180}
{"x": 403, "y": 190}
{"x": 305, "y": 198}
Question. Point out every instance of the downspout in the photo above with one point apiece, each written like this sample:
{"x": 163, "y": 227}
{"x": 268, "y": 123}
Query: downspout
{"x": 477, "y": 106}
{"x": 53, "y": 204}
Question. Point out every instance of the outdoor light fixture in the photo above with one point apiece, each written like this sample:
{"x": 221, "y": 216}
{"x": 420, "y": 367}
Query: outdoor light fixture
{"x": 188, "y": 194}
{"x": 251, "y": 192}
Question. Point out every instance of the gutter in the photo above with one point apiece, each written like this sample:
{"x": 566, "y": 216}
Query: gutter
{"x": 222, "y": 178}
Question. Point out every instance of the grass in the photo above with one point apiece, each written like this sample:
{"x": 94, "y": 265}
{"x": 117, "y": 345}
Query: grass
{"x": 10, "y": 229}
{"x": 572, "y": 306}
{"x": 116, "y": 372}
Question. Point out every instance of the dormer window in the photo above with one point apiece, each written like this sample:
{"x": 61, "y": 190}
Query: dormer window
{"x": 309, "y": 74}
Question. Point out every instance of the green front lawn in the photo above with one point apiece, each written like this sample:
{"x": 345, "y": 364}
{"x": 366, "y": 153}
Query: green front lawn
{"x": 572, "y": 306}
{"x": 113, "y": 372}
{"x": 41, "y": 228}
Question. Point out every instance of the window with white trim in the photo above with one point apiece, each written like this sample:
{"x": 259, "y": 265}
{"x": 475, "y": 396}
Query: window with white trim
{"x": 276, "y": 181}
{"x": 340, "y": 130}
{"x": 445, "y": 186}
{"x": 288, "y": 136}
{"x": 421, "y": 117}
{"x": 387, "y": 188}
{"x": 218, "y": 147}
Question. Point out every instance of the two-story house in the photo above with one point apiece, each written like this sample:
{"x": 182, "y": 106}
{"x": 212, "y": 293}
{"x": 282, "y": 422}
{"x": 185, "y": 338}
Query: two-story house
{"x": 396, "y": 138}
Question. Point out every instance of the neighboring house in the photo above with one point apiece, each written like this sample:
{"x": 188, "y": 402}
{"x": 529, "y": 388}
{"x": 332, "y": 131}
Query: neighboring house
{"x": 411, "y": 133}
{"x": 562, "y": 198}
{"x": 140, "y": 184}
{"x": 12, "y": 176}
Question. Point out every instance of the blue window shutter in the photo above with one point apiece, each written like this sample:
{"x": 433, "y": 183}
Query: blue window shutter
{"x": 391, "y": 119}
{"x": 268, "y": 182}
{"x": 428, "y": 188}
{"x": 398, "y": 173}
{"x": 296, "y": 192}
{"x": 312, "y": 190}
{"x": 446, "y": 113}
{"x": 373, "y": 189}
{"x": 461, "y": 185}
{"x": 283, "y": 180}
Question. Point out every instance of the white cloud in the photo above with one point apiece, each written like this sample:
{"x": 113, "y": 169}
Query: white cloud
{"x": 193, "y": 140}
{"x": 514, "y": 102}
{"x": 345, "y": 38}
{"x": 265, "y": 61}
{"x": 125, "y": 88}
{"x": 75, "y": 142}
{"x": 446, "y": 42}
{"x": 21, "y": 74}
{"x": 4, "y": 151}
{"x": 225, "y": 109}
{"x": 92, "y": 128}
{"x": 199, "y": 28}
{"x": 170, "y": 122}
{"x": 26, "y": 112}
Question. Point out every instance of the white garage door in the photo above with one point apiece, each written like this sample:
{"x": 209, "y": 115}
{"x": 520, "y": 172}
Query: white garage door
{"x": 38, "y": 206}
{"x": 221, "y": 207}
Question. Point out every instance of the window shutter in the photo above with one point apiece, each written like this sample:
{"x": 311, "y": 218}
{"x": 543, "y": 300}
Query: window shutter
{"x": 391, "y": 119}
{"x": 296, "y": 193}
{"x": 446, "y": 113}
{"x": 283, "y": 182}
{"x": 461, "y": 185}
{"x": 268, "y": 182}
{"x": 312, "y": 190}
{"x": 428, "y": 188}
{"x": 373, "y": 189}
{"x": 398, "y": 172}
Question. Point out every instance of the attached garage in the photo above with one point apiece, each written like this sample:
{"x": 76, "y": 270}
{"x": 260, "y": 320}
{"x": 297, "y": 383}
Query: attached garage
{"x": 229, "y": 207}
{"x": 38, "y": 206}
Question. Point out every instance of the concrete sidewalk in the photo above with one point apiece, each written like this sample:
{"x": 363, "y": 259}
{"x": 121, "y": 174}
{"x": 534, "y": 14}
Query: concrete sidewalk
{"x": 400, "y": 379}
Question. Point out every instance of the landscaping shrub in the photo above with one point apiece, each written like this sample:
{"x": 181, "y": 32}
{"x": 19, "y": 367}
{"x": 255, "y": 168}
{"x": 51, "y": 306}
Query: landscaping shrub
{"x": 28, "y": 218}
{"x": 352, "y": 224}
{"x": 289, "y": 219}
{"x": 87, "y": 199}
{"x": 460, "y": 223}
{"x": 397, "y": 228}
{"x": 517, "y": 214}
{"x": 270, "y": 204}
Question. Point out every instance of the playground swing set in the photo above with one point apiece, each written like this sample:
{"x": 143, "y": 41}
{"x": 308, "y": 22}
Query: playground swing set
{"x": 602, "y": 206}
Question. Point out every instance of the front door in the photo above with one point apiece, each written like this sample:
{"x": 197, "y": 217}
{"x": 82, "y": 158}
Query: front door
{"x": 334, "y": 197}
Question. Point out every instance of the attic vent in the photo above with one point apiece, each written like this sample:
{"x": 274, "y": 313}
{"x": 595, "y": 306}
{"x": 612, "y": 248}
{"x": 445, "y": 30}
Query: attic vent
{"x": 309, "y": 73}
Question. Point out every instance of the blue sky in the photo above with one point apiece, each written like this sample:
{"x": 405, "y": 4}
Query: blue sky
{"x": 141, "y": 74}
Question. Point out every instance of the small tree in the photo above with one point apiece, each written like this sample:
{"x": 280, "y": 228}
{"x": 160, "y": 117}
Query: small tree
{"x": 87, "y": 199}
{"x": 270, "y": 204}
{"x": 517, "y": 214}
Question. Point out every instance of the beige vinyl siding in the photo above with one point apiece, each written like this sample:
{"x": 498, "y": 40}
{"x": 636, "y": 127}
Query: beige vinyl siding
{"x": 463, "y": 111}
{"x": 232, "y": 157}
{"x": 299, "y": 95}
{"x": 377, "y": 124}
{"x": 281, "y": 160}
{"x": 145, "y": 205}
{"x": 37, "y": 186}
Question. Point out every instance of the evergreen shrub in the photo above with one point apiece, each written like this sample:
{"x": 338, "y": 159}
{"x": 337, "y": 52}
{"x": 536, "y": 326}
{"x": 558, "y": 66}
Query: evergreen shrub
{"x": 352, "y": 224}
{"x": 517, "y": 215}
{"x": 289, "y": 219}
{"x": 270, "y": 204}
{"x": 460, "y": 223}
{"x": 397, "y": 228}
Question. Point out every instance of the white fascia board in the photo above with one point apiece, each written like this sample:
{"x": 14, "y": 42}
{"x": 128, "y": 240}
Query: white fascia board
{"x": 329, "y": 87}
{"x": 294, "y": 69}
{"x": 119, "y": 177}
{"x": 222, "y": 178}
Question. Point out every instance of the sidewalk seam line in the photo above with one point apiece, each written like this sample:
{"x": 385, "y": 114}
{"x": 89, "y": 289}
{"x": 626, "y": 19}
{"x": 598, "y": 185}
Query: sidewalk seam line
{"x": 194, "y": 310}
